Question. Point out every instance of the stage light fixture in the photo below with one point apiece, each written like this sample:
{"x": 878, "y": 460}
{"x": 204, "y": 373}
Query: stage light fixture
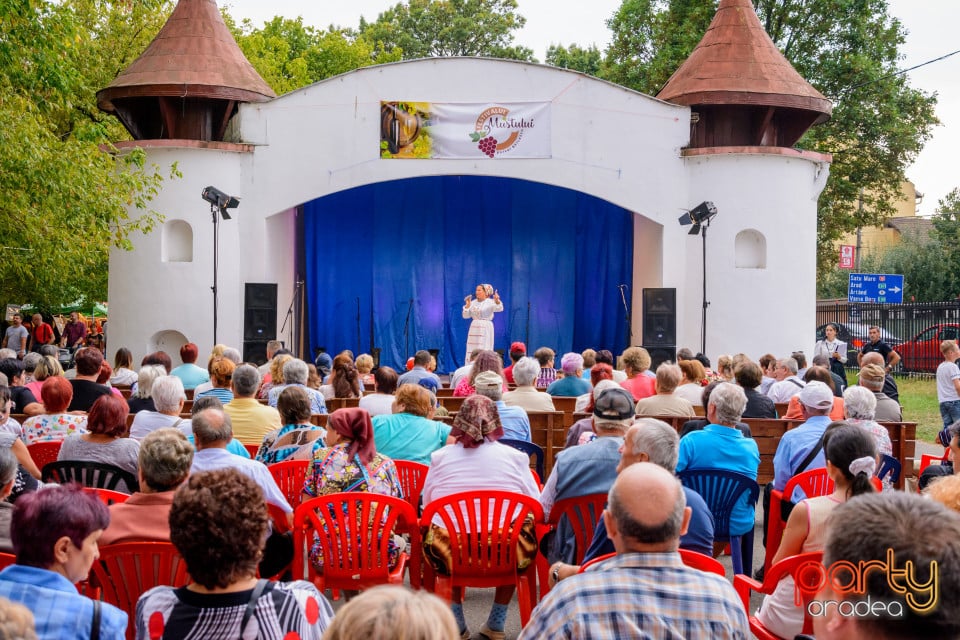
{"x": 220, "y": 200}
{"x": 700, "y": 214}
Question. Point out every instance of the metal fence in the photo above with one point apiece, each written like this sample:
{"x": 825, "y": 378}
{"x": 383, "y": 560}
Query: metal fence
{"x": 915, "y": 330}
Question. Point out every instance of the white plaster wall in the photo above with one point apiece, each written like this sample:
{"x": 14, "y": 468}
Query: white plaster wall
{"x": 607, "y": 141}
{"x": 754, "y": 310}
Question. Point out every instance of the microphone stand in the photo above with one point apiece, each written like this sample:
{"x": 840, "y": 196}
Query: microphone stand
{"x": 527, "y": 337}
{"x": 626, "y": 315}
{"x": 406, "y": 331}
{"x": 289, "y": 316}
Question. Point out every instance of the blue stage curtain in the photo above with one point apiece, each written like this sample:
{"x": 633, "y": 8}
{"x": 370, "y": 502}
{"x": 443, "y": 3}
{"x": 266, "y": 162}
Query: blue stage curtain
{"x": 420, "y": 245}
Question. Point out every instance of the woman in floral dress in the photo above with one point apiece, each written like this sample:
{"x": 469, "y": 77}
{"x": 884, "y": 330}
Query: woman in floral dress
{"x": 55, "y": 424}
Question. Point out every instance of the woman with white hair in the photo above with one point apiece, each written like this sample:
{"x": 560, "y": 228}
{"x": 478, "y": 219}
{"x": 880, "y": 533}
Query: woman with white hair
{"x": 481, "y": 312}
{"x": 141, "y": 400}
{"x": 859, "y": 408}
{"x": 526, "y": 396}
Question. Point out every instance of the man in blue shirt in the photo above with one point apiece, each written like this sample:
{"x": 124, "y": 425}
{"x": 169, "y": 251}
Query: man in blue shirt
{"x": 421, "y": 359}
{"x": 816, "y": 400}
{"x": 514, "y": 420}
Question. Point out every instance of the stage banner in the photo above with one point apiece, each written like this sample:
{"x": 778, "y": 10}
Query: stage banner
{"x": 464, "y": 130}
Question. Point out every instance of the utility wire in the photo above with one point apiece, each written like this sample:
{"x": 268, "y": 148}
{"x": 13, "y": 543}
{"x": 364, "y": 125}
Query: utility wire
{"x": 901, "y": 72}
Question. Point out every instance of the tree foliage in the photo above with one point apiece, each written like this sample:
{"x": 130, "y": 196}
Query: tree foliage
{"x": 576, "y": 58}
{"x": 64, "y": 199}
{"x": 431, "y": 28}
{"x": 848, "y": 50}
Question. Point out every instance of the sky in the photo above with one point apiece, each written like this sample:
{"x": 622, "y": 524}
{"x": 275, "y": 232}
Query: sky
{"x": 930, "y": 25}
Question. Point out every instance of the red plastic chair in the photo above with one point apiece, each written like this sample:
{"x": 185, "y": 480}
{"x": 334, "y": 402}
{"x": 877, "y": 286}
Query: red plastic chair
{"x": 107, "y": 496}
{"x": 252, "y": 450}
{"x": 43, "y": 453}
{"x": 689, "y": 558}
{"x": 583, "y": 513}
{"x": 926, "y": 460}
{"x": 483, "y": 555}
{"x": 127, "y": 569}
{"x": 289, "y": 476}
{"x": 354, "y": 530}
{"x": 799, "y": 566}
{"x": 7, "y": 559}
{"x": 411, "y": 475}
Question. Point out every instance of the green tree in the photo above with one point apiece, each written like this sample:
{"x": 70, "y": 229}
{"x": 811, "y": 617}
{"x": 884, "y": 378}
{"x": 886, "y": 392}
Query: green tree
{"x": 576, "y": 58}
{"x": 848, "y": 50}
{"x": 64, "y": 197}
{"x": 433, "y": 28}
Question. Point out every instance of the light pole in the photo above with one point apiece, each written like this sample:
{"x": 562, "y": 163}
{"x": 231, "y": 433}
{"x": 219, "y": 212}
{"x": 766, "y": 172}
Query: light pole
{"x": 219, "y": 203}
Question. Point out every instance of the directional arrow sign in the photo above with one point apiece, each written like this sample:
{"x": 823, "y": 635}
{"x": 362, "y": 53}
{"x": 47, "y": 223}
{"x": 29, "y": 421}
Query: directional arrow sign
{"x": 883, "y": 288}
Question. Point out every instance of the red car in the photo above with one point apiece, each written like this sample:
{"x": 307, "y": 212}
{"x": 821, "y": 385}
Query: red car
{"x": 922, "y": 352}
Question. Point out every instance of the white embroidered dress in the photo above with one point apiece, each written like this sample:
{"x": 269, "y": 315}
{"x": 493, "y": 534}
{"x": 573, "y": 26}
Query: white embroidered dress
{"x": 480, "y": 335}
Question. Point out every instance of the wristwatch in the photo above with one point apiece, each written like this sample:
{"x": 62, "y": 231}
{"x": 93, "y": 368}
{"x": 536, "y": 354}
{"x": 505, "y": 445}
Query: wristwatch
{"x": 555, "y": 574}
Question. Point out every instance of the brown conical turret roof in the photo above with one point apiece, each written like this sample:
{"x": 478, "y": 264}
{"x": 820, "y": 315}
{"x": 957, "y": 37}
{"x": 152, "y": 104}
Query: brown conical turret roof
{"x": 194, "y": 59}
{"x": 736, "y": 63}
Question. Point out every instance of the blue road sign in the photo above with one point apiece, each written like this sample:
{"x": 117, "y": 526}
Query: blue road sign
{"x": 885, "y": 288}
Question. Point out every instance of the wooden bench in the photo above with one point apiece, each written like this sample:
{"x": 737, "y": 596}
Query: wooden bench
{"x": 319, "y": 419}
{"x": 548, "y": 431}
{"x": 341, "y": 403}
{"x": 450, "y": 403}
{"x": 566, "y": 405}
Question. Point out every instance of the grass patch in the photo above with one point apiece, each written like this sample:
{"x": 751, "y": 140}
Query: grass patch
{"x": 918, "y": 397}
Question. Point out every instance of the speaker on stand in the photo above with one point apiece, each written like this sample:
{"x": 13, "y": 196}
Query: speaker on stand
{"x": 660, "y": 325}
{"x": 259, "y": 320}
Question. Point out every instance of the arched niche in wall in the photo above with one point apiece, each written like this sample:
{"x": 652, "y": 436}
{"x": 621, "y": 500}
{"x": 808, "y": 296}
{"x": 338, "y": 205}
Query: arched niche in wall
{"x": 169, "y": 341}
{"x": 176, "y": 241}
{"x": 750, "y": 250}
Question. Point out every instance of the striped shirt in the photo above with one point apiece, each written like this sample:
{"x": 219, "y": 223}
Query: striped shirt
{"x": 640, "y": 595}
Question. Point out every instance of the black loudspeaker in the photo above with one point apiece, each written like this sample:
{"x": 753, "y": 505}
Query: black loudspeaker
{"x": 659, "y": 355}
{"x": 255, "y": 351}
{"x": 260, "y": 312}
{"x": 659, "y": 318}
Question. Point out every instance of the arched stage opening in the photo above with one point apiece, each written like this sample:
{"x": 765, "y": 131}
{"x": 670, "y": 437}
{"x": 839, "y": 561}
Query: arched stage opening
{"x": 387, "y": 266}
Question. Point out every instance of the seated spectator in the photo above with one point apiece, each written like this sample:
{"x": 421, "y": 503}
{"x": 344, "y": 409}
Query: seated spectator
{"x": 275, "y": 377}
{"x": 23, "y": 400}
{"x": 344, "y": 380}
{"x": 581, "y": 432}
{"x": 462, "y": 372}
{"x": 55, "y": 534}
{"x": 485, "y": 361}
{"x": 839, "y": 382}
{"x": 721, "y": 446}
{"x": 517, "y": 351}
{"x": 56, "y": 424}
{"x": 409, "y": 433}
{"x": 348, "y": 460}
{"x": 646, "y": 590}
{"x": 851, "y": 463}
{"x": 168, "y": 397}
{"x": 699, "y": 423}
{"x": 820, "y": 374}
{"x": 516, "y": 424}
{"x": 364, "y": 366}
{"x": 590, "y": 468}
{"x": 45, "y": 367}
{"x": 889, "y": 388}
{"x": 221, "y": 377}
{"x": 526, "y": 396}
{"x": 393, "y": 612}
{"x": 381, "y": 401}
{"x": 106, "y": 371}
{"x": 160, "y": 359}
{"x": 141, "y": 399}
{"x": 163, "y": 464}
{"x": 211, "y": 402}
{"x": 571, "y": 385}
{"x": 545, "y": 356}
{"x": 924, "y": 534}
{"x": 86, "y": 389}
{"x": 604, "y": 356}
{"x": 859, "y": 408}
{"x": 296, "y": 432}
{"x": 478, "y": 462}
{"x": 123, "y": 373}
{"x": 786, "y": 382}
{"x": 295, "y": 374}
{"x": 189, "y": 372}
{"x": 106, "y": 439}
{"x": 636, "y": 362}
{"x": 749, "y": 376}
{"x": 421, "y": 361}
{"x": 952, "y": 437}
{"x": 224, "y": 510}
{"x": 584, "y": 402}
{"x": 28, "y": 474}
{"x": 797, "y": 445}
{"x": 8, "y": 475}
{"x": 273, "y": 346}
{"x": 725, "y": 369}
{"x": 251, "y": 419}
{"x": 692, "y": 382}
{"x": 872, "y": 377}
{"x": 664, "y": 403}
{"x": 589, "y": 359}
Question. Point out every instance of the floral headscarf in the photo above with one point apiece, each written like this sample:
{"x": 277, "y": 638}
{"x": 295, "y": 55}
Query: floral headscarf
{"x": 354, "y": 424}
{"x": 477, "y": 420}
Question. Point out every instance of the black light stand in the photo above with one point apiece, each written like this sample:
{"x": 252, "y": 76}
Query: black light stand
{"x": 700, "y": 217}
{"x": 219, "y": 203}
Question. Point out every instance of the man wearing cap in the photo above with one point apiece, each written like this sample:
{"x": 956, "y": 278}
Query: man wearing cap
{"x": 514, "y": 420}
{"x": 517, "y": 351}
{"x": 421, "y": 359}
{"x": 889, "y": 384}
{"x": 588, "y": 468}
{"x": 872, "y": 377}
{"x": 572, "y": 384}
{"x": 797, "y": 445}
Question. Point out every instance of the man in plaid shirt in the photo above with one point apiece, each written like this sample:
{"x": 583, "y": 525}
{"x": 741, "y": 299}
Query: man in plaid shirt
{"x": 645, "y": 591}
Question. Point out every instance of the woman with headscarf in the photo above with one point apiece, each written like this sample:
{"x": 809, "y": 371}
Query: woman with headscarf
{"x": 349, "y": 462}
{"x": 477, "y": 462}
{"x": 481, "y": 310}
